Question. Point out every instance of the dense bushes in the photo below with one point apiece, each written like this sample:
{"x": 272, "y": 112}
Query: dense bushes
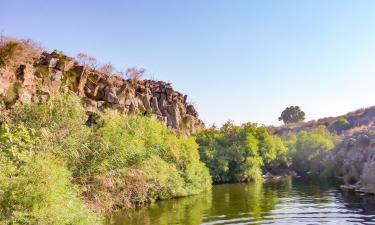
{"x": 35, "y": 188}
{"x": 48, "y": 154}
{"x": 308, "y": 149}
{"x": 239, "y": 153}
{"x": 143, "y": 148}
{"x": 51, "y": 163}
{"x": 242, "y": 153}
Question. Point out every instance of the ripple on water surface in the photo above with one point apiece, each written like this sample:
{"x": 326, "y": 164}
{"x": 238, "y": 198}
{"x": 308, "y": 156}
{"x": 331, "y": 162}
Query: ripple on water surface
{"x": 285, "y": 201}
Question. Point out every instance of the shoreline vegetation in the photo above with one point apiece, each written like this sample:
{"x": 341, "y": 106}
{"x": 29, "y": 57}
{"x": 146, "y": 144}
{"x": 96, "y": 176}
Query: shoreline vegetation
{"x": 117, "y": 163}
{"x": 61, "y": 165}
{"x": 49, "y": 153}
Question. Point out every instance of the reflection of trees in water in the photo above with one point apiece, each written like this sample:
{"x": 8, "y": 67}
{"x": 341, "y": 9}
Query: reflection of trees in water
{"x": 232, "y": 200}
{"x": 188, "y": 210}
{"x": 255, "y": 201}
{"x": 318, "y": 191}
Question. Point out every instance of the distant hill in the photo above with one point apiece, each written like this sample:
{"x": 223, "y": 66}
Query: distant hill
{"x": 359, "y": 121}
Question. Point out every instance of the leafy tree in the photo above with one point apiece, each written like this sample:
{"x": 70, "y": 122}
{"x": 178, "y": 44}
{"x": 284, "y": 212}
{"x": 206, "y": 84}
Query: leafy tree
{"x": 309, "y": 147}
{"x": 273, "y": 150}
{"x": 292, "y": 114}
{"x": 240, "y": 153}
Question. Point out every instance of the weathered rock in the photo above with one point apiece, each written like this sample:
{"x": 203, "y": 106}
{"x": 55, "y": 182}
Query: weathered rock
{"x": 54, "y": 72}
{"x": 51, "y": 62}
{"x": 110, "y": 94}
{"x": 368, "y": 176}
{"x": 356, "y": 160}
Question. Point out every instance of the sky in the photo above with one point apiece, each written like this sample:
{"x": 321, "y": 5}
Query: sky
{"x": 243, "y": 61}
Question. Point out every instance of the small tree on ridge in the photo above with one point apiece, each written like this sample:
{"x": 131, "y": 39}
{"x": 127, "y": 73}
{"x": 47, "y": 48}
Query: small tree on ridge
{"x": 292, "y": 114}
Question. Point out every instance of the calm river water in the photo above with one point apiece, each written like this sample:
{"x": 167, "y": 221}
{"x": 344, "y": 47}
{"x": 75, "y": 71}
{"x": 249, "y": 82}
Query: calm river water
{"x": 287, "y": 201}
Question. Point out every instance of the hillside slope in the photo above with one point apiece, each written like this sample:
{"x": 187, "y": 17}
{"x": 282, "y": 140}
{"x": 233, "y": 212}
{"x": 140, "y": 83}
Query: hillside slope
{"x": 359, "y": 121}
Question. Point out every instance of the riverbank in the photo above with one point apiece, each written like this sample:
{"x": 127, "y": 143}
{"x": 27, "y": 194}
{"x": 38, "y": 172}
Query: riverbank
{"x": 118, "y": 162}
{"x": 85, "y": 137}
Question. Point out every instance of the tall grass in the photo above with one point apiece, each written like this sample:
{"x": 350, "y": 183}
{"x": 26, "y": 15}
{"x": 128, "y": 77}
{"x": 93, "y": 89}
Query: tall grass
{"x": 54, "y": 168}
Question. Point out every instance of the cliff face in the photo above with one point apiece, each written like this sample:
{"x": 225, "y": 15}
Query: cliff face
{"x": 355, "y": 159}
{"x": 43, "y": 74}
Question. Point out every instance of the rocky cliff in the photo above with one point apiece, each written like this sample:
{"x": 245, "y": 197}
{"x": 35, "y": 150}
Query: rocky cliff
{"x": 28, "y": 75}
{"x": 354, "y": 161}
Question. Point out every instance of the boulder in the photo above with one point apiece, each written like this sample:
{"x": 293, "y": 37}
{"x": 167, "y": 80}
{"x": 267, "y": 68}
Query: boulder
{"x": 110, "y": 94}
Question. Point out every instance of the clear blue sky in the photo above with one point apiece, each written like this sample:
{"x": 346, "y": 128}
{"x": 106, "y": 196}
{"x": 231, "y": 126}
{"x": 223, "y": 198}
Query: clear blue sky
{"x": 239, "y": 60}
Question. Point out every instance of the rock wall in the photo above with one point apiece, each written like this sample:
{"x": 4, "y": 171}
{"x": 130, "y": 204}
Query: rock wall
{"x": 355, "y": 159}
{"x": 55, "y": 72}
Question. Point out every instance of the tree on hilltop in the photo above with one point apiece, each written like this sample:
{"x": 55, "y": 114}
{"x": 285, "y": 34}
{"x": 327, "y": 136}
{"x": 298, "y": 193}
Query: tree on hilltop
{"x": 292, "y": 114}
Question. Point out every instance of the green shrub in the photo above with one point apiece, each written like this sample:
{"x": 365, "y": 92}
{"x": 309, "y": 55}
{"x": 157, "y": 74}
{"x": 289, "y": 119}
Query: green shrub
{"x": 11, "y": 94}
{"x": 309, "y": 148}
{"x": 273, "y": 150}
{"x": 165, "y": 179}
{"x": 168, "y": 162}
{"x": 340, "y": 125}
{"x": 119, "y": 162}
{"x": 60, "y": 125}
{"x": 40, "y": 192}
{"x": 240, "y": 153}
{"x": 34, "y": 187}
{"x": 42, "y": 72}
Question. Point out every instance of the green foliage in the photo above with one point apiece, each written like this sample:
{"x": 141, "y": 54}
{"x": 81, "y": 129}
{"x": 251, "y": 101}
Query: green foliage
{"x": 309, "y": 147}
{"x": 239, "y": 153}
{"x": 34, "y": 187}
{"x": 70, "y": 79}
{"x": 119, "y": 162}
{"x": 11, "y": 94}
{"x": 60, "y": 124}
{"x": 42, "y": 71}
{"x": 165, "y": 178}
{"x": 340, "y": 125}
{"x": 17, "y": 144}
{"x": 170, "y": 163}
{"x": 292, "y": 114}
{"x": 273, "y": 150}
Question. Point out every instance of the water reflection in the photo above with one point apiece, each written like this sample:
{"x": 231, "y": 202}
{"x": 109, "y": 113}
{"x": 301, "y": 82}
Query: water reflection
{"x": 189, "y": 210}
{"x": 285, "y": 201}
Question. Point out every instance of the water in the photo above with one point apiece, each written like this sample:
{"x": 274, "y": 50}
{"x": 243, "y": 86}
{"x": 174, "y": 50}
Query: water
{"x": 287, "y": 201}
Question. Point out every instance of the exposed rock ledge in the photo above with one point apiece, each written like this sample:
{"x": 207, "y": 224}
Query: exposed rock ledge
{"x": 356, "y": 160}
{"x": 37, "y": 79}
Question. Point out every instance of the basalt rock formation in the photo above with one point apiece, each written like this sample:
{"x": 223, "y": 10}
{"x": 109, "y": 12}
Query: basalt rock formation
{"x": 35, "y": 78}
